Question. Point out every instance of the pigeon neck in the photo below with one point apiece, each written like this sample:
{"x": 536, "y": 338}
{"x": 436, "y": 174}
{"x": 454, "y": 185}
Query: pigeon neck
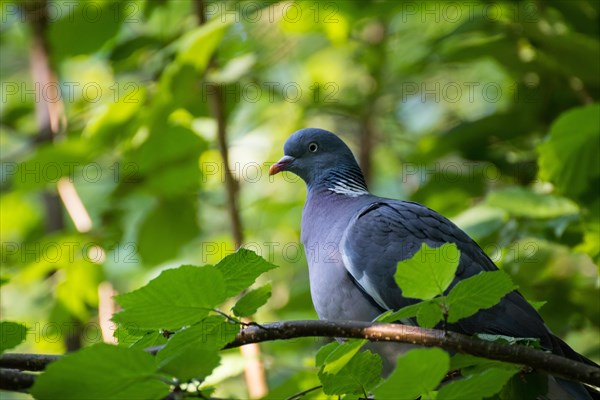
{"x": 347, "y": 181}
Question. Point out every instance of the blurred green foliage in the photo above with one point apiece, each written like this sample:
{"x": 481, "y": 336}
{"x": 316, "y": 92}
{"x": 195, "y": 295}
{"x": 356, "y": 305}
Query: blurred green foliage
{"x": 484, "y": 111}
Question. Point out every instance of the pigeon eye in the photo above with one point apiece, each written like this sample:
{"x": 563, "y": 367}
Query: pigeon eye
{"x": 312, "y": 147}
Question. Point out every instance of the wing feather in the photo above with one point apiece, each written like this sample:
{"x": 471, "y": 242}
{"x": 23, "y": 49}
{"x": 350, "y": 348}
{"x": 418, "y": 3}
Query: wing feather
{"x": 388, "y": 231}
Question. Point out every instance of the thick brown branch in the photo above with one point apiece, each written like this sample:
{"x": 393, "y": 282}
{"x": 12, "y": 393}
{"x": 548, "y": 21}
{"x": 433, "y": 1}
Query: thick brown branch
{"x": 27, "y": 362}
{"x": 537, "y": 359}
{"x": 15, "y": 381}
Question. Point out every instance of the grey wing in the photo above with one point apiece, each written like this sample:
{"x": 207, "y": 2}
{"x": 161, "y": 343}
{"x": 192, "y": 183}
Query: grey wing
{"x": 387, "y": 231}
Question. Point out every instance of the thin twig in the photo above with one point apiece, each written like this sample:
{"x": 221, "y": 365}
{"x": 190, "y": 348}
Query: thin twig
{"x": 106, "y": 308}
{"x": 237, "y": 321}
{"x": 304, "y": 392}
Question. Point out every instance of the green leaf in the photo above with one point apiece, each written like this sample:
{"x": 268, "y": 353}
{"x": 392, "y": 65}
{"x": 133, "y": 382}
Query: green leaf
{"x": 481, "y": 221}
{"x": 429, "y": 272}
{"x": 429, "y": 314}
{"x": 234, "y": 70}
{"x": 114, "y": 120}
{"x": 341, "y": 355}
{"x": 167, "y": 161}
{"x": 325, "y": 351}
{"x": 177, "y": 297}
{"x": 94, "y": 27}
{"x": 471, "y": 138}
{"x": 49, "y": 163}
{"x": 569, "y": 156}
{"x": 11, "y": 335}
{"x": 197, "y": 45}
{"x": 241, "y": 269}
{"x": 358, "y": 376}
{"x": 79, "y": 289}
{"x": 194, "y": 352}
{"x": 481, "y": 291}
{"x": 537, "y": 304}
{"x": 304, "y": 379}
{"x": 180, "y": 178}
{"x": 403, "y": 313}
{"x": 530, "y": 386}
{"x": 417, "y": 372}
{"x": 165, "y": 229}
{"x": 252, "y": 300}
{"x": 524, "y": 202}
{"x": 460, "y": 361}
{"x": 521, "y": 386}
{"x": 150, "y": 339}
{"x": 168, "y": 144}
{"x": 570, "y": 51}
{"x": 532, "y": 342}
{"x": 128, "y": 335}
{"x": 101, "y": 371}
{"x": 478, "y": 386}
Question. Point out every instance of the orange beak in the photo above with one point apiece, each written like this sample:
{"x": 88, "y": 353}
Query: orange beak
{"x": 281, "y": 165}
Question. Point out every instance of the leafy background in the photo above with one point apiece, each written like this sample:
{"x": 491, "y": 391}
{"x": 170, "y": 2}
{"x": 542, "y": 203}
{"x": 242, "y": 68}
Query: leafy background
{"x": 486, "y": 112}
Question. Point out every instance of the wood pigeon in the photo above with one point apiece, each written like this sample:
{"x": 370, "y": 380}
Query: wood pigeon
{"x": 353, "y": 241}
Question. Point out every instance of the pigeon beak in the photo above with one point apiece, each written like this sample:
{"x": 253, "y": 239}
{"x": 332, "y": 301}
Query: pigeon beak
{"x": 281, "y": 165}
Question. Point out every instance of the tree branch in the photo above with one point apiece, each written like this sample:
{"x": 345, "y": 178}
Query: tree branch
{"x": 451, "y": 341}
{"x": 51, "y": 120}
{"x": 217, "y": 107}
{"x": 376, "y": 40}
{"x": 15, "y": 381}
{"x": 256, "y": 380}
{"x": 217, "y": 104}
{"x": 27, "y": 362}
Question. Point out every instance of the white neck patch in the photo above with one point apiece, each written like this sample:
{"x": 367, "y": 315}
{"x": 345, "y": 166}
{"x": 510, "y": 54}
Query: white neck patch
{"x": 342, "y": 187}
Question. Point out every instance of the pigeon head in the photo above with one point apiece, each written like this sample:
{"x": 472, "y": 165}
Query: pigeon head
{"x": 319, "y": 157}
